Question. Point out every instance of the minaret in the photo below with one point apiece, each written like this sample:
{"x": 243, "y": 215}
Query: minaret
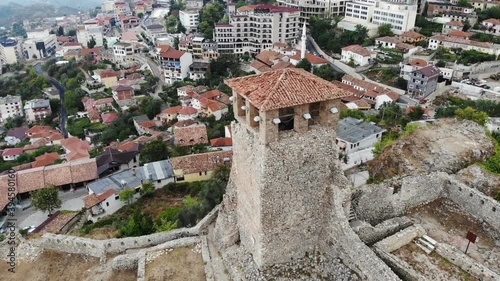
{"x": 304, "y": 39}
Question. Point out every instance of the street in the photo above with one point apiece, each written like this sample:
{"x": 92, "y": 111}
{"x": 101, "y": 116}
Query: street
{"x": 72, "y": 201}
{"x": 155, "y": 69}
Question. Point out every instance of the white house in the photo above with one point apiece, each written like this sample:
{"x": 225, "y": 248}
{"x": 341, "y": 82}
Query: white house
{"x": 492, "y": 26}
{"x": 354, "y": 135}
{"x": 11, "y": 154}
{"x": 10, "y": 106}
{"x": 104, "y": 193}
{"x": 189, "y": 19}
{"x": 187, "y": 113}
{"x": 359, "y": 55}
{"x": 173, "y": 63}
{"x": 37, "y": 109}
{"x": 15, "y": 136}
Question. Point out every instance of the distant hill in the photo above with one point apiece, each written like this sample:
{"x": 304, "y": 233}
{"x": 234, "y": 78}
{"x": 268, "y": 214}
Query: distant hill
{"x": 78, "y": 4}
{"x": 12, "y": 12}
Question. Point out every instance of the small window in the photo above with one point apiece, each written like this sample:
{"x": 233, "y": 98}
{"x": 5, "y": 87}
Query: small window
{"x": 179, "y": 178}
{"x": 158, "y": 181}
{"x": 137, "y": 189}
{"x": 117, "y": 197}
{"x": 205, "y": 173}
{"x": 107, "y": 204}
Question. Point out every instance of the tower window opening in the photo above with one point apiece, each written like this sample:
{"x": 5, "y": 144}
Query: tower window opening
{"x": 286, "y": 115}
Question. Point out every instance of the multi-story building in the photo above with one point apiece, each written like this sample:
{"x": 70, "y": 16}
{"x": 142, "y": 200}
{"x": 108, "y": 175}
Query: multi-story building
{"x": 400, "y": 14}
{"x": 123, "y": 53}
{"x": 108, "y": 6}
{"x": 8, "y": 52}
{"x": 316, "y": 8}
{"x": 86, "y": 32}
{"x": 10, "y": 106}
{"x": 122, "y": 8}
{"x": 154, "y": 31}
{"x": 40, "y": 44}
{"x": 202, "y": 49}
{"x": 257, "y": 28}
{"x": 197, "y": 70}
{"x": 452, "y": 11}
{"x": 423, "y": 81}
{"x": 37, "y": 110}
{"x": 190, "y": 19}
{"x": 174, "y": 63}
{"x": 194, "y": 4}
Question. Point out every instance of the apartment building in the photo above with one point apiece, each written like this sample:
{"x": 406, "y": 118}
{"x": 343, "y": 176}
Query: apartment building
{"x": 202, "y": 49}
{"x": 37, "y": 109}
{"x": 122, "y": 8}
{"x": 452, "y": 12}
{"x": 10, "y": 106}
{"x": 39, "y": 44}
{"x": 154, "y": 31}
{"x": 123, "y": 53}
{"x": 316, "y": 8}
{"x": 190, "y": 19}
{"x": 88, "y": 31}
{"x": 423, "y": 81}
{"x": 8, "y": 52}
{"x": 194, "y": 4}
{"x": 257, "y": 28}
{"x": 400, "y": 14}
{"x": 173, "y": 63}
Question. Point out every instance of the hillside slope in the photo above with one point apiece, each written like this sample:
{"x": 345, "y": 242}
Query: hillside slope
{"x": 447, "y": 146}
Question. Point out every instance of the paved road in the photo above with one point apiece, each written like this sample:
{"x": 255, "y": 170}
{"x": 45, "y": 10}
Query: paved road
{"x": 155, "y": 69}
{"x": 72, "y": 201}
{"x": 63, "y": 116}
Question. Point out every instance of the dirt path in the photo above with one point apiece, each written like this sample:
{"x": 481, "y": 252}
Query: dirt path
{"x": 177, "y": 265}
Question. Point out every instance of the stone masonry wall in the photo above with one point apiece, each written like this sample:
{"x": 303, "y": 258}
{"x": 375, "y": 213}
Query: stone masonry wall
{"x": 378, "y": 202}
{"x": 99, "y": 248}
{"x": 475, "y": 203}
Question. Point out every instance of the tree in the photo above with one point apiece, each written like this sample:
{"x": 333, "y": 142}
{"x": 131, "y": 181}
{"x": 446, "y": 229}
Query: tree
{"x": 139, "y": 224}
{"x": 464, "y": 3}
{"x": 470, "y": 113}
{"x": 140, "y": 15}
{"x": 354, "y": 113}
{"x": 154, "y": 151}
{"x": 126, "y": 195}
{"x": 60, "y": 31}
{"x": 151, "y": 107}
{"x": 467, "y": 25}
{"x": 222, "y": 173}
{"x": 416, "y": 113}
{"x": 147, "y": 189}
{"x": 240, "y": 4}
{"x": 326, "y": 72}
{"x": 304, "y": 64}
{"x": 211, "y": 14}
{"x": 91, "y": 44}
{"x": 46, "y": 199}
{"x": 385, "y": 30}
{"x": 72, "y": 32}
{"x": 180, "y": 28}
{"x": 73, "y": 101}
{"x": 14, "y": 122}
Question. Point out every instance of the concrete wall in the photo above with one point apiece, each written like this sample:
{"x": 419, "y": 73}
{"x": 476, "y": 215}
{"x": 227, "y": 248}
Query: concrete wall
{"x": 399, "y": 239}
{"x": 378, "y": 202}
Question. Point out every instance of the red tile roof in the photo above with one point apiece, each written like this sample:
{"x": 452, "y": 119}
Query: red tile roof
{"x": 187, "y": 136}
{"x": 108, "y": 73}
{"x": 108, "y": 118}
{"x": 311, "y": 58}
{"x": 87, "y": 51}
{"x": 412, "y": 34}
{"x": 188, "y": 110}
{"x": 221, "y": 142}
{"x": 72, "y": 44}
{"x": 12, "y": 151}
{"x": 93, "y": 199}
{"x": 455, "y": 23}
{"x": 459, "y": 33}
{"x": 172, "y": 110}
{"x": 285, "y": 88}
{"x": 203, "y": 162}
{"x": 418, "y": 62}
{"x": 171, "y": 53}
{"x": 492, "y": 21}
{"x": 213, "y": 94}
{"x": 358, "y": 49}
{"x": 103, "y": 101}
{"x": 147, "y": 124}
{"x": 185, "y": 123}
{"x": 45, "y": 160}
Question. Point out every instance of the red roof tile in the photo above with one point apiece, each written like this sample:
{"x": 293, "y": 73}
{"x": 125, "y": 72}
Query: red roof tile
{"x": 221, "y": 142}
{"x": 172, "y": 110}
{"x": 108, "y": 118}
{"x": 202, "y": 162}
{"x": 285, "y": 88}
{"x": 12, "y": 151}
{"x": 187, "y": 136}
{"x": 311, "y": 58}
{"x": 358, "y": 49}
{"x": 188, "y": 110}
{"x": 45, "y": 160}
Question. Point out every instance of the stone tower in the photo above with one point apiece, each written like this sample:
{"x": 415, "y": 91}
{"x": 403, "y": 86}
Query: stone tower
{"x": 284, "y": 154}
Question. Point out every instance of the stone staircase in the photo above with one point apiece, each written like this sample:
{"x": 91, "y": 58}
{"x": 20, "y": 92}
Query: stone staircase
{"x": 352, "y": 215}
{"x": 426, "y": 243}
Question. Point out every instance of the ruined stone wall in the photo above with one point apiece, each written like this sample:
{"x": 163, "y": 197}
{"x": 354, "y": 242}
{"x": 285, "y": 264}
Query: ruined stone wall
{"x": 466, "y": 263}
{"x": 99, "y": 248}
{"x": 474, "y": 202}
{"x": 375, "y": 203}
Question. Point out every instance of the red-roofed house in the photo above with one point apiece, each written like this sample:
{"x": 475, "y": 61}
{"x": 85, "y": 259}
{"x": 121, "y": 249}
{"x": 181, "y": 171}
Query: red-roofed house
{"x": 95, "y": 203}
{"x": 107, "y": 77}
{"x": 187, "y": 136}
{"x": 108, "y": 118}
{"x": 174, "y": 63}
{"x": 358, "y": 55}
{"x": 75, "y": 148}
{"x": 37, "y": 132}
{"x": 45, "y": 160}
{"x": 492, "y": 26}
{"x": 11, "y": 154}
{"x": 222, "y": 142}
{"x": 186, "y": 113}
{"x": 169, "y": 114}
{"x": 121, "y": 93}
{"x": 94, "y": 52}
{"x": 209, "y": 107}
{"x": 314, "y": 60}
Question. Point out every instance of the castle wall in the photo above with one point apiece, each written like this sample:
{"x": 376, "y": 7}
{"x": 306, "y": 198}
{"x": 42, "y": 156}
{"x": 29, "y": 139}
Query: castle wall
{"x": 378, "y": 202}
{"x": 474, "y": 202}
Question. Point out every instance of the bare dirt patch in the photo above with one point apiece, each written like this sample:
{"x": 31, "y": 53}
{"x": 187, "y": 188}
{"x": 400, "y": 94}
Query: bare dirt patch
{"x": 124, "y": 275}
{"x": 53, "y": 266}
{"x": 446, "y": 223}
{"x": 178, "y": 265}
{"x": 432, "y": 266}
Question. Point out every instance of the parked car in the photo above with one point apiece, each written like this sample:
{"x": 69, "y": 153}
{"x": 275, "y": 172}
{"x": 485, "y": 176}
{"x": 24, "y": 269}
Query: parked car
{"x": 30, "y": 229}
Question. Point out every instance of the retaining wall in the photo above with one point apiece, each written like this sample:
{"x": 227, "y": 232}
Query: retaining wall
{"x": 401, "y": 238}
